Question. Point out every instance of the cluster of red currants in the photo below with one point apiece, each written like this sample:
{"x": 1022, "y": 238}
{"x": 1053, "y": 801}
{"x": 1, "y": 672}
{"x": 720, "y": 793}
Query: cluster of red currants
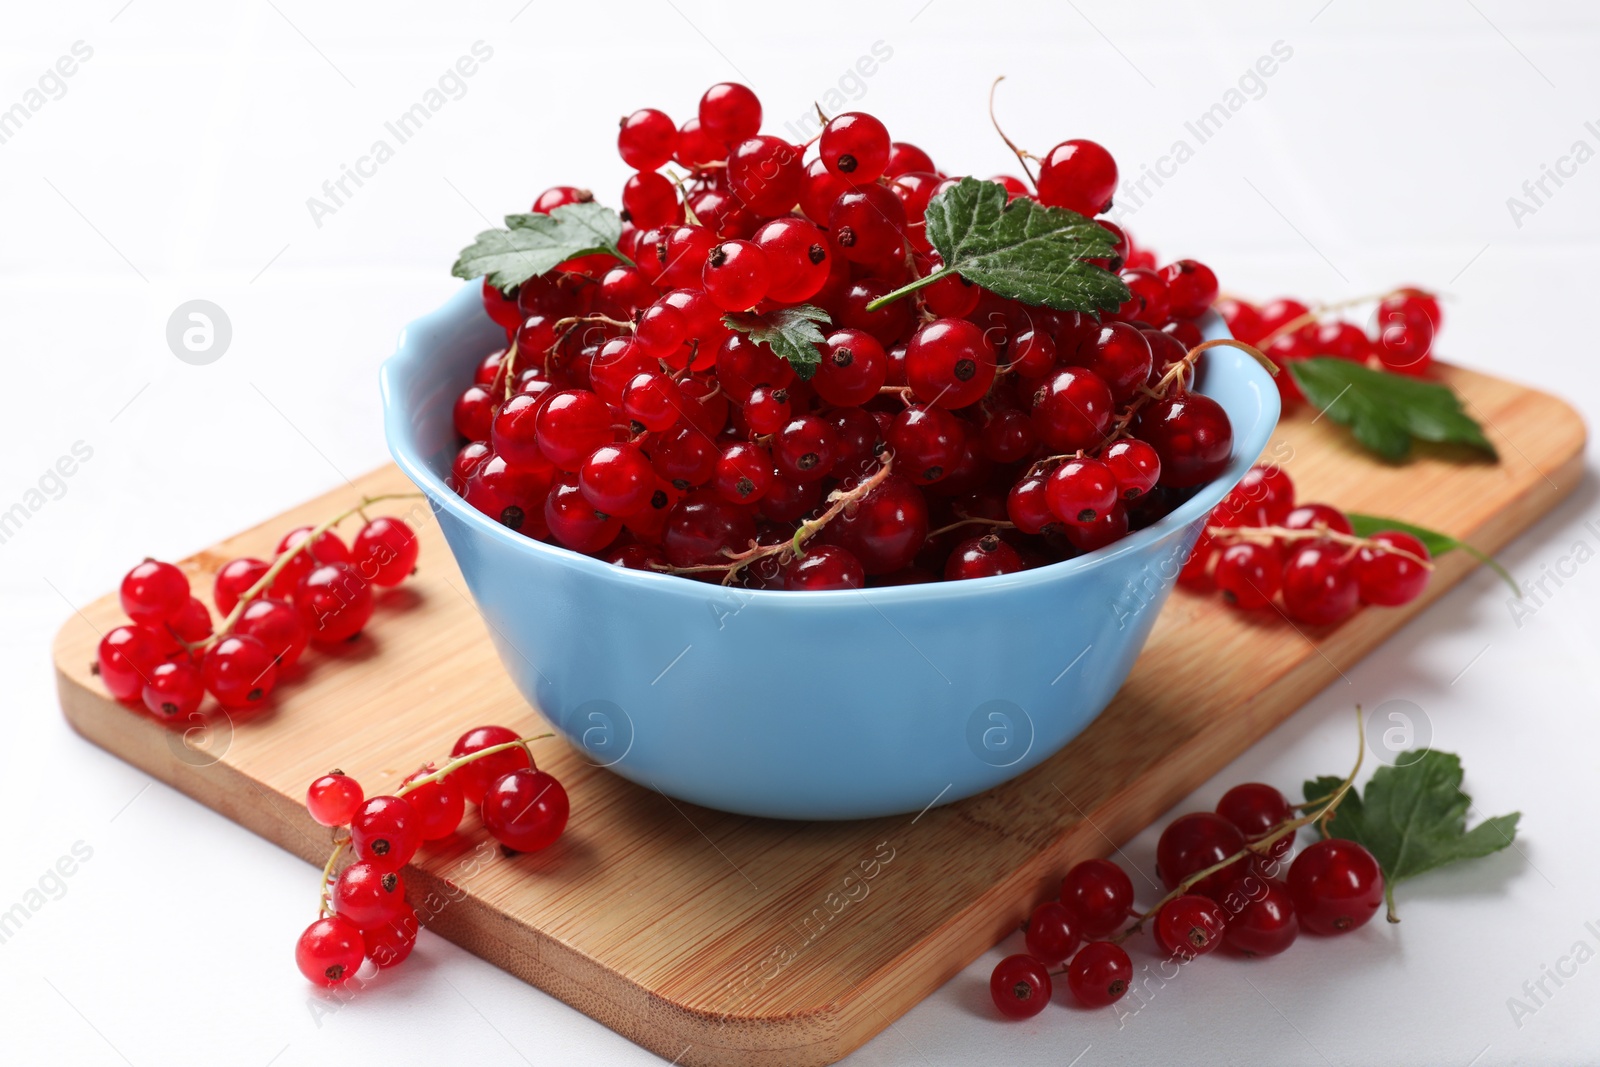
{"x": 626, "y": 419}
{"x": 171, "y": 654}
{"x": 1260, "y": 547}
{"x": 365, "y": 914}
{"x": 1221, "y": 872}
{"x": 1401, "y": 336}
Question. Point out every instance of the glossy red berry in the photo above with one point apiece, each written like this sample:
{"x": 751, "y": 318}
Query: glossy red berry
{"x": 1099, "y": 894}
{"x": 571, "y": 425}
{"x": 1028, "y": 505}
{"x": 1255, "y": 808}
{"x": 330, "y": 951}
{"x": 736, "y": 275}
{"x": 1193, "y": 842}
{"x": 887, "y": 527}
{"x": 1263, "y": 497}
{"x": 766, "y": 174}
{"x": 705, "y": 529}
{"x": 439, "y": 804}
{"x": 1078, "y": 175}
{"x": 126, "y": 656}
{"x": 1147, "y": 302}
{"x": 334, "y": 603}
{"x": 390, "y": 941}
{"x": 239, "y": 672}
{"x": 853, "y": 368}
{"x": 855, "y": 146}
{"x": 805, "y": 449}
{"x": 950, "y": 363}
{"x": 927, "y": 442}
{"x": 385, "y": 551}
{"x": 174, "y": 689}
{"x": 1191, "y": 288}
{"x": 1391, "y": 578}
{"x": 797, "y": 258}
{"x": 154, "y": 592}
{"x": 1248, "y": 575}
{"x": 1079, "y": 491}
{"x": 1191, "y": 924}
{"x": 1192, "y": 435}
{"x": 904, "y": 156}
{"x": 695, "y": 147}
{"x": 729, "y": 112}
{"x": 1336, "y": 886}
{"x": 367, "y": 894}
{"x": 1121, "y": 356}
{"x": 1318, "y": 587}
{"x": 385, "y": 832}
{"x": 617, "y": 480}
{"x": 1316, "y": 517}
{"x": 1134, "y": 464}
{"x": 327, "y": 548}
{"x": 647, "y": 139}
{"x": 744, "y": 473}
{"x": 1262, "y": 919}
{"x": 234, "y": 580}
{"x": 824, "y": 567}
{"x": 868, "y": 223}
{"x": 334, "y": 799}
{"x": 474, "y": 777}
{"x": 1020, "y": 986}
{"x": 1052, "y": 935}
{"x": 650, "y": 199}
{"x": 278, "y": 626}
{"x": 575, "y": 522}
{"x": 1099, "y": 974}
{"x": 1072, "y": 410}
{"x": 525, "y": 810}
{"x": 981, "y": 557}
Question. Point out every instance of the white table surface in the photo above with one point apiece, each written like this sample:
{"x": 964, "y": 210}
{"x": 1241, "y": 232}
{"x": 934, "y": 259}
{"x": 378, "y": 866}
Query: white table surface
{"x": 176, "y": 165}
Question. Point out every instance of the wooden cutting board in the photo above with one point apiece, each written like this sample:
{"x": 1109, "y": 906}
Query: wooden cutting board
{"x": 719, "y": 939}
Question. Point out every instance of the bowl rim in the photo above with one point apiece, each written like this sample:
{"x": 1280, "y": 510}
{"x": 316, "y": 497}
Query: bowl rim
{"x": 1249, "y": 443}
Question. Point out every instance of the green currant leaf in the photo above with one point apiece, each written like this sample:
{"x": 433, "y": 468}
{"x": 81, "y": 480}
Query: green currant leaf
{"x": 1435, "y": 542}
{"x": 790, "y": 332}
{"x": 1385, "y": 411}
{"x": 535, "y": 244}
{"x": 1412, "y": 817}
{"x": 1022, "y": 250}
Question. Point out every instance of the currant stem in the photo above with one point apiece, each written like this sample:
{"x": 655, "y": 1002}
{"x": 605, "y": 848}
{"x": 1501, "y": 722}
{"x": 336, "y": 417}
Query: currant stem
{"x": 323, "y": 908}
{"x": 1319, "y": 532}
{"x": 265, "y": 581}
{"x": 1022, "y": 157}
{"x": 1263, "y": 845}
{"x": 999, "y": 524}
{"x": 1320, "y": 310}
{"x": 508, "y": 367}
{"x": 910, "y": 287}
{"x": 461, "y": 761}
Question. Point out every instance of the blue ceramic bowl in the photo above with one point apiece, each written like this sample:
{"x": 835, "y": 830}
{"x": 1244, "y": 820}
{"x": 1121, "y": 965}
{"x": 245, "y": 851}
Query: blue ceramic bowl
{"x": 824, "y": 705}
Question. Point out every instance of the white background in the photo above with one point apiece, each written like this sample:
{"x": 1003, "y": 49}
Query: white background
{"x": 177, "y": 166}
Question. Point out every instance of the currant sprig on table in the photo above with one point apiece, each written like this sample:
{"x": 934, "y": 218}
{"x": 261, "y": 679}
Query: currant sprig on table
{"x": 363, "y": 913}
{"x": 1222, "y": 871}
{"x": 316, "y": 590}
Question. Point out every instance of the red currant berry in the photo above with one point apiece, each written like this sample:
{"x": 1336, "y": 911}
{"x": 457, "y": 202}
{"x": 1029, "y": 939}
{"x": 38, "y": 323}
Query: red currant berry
{"x": 571, "y": 425}
{"x": 1052, "y": 935}
{"x": 1191, "y": 288}
{"x": 1263, "y": 497}
{"x": 695, "y": 149}
{"x": 560, "y": 196}
{"x": 617, "y": 480}
{"x": 1341, "y": 340}
{"x": 1080, "y": 491}
{"x": 1279, "y": 313}
{"x": 1318, "y": 588}
{"x": 334, "y": 603}
{"x": 439, "y": 804}
{"x": 855, "y": 146}
{"x": 650, "y": 199}
{"x": 1109, "y": 528}
{"x": 766, "y": 174}
{"x": 154, "y": 592}
{"x": 1020, "y": 986}
{"x": 1099, "y": 895}
{"x": 744, "y": 473}
{"x": 1078, "y": 175}
{"x": 327, "y": 548}
{"x": 1192, "y": 435}
{"x": 736, "y": 275}
{"x": 1148, "y": 300}
{"x": 949, "y": 362}
{"x": 927, "y": 442}
{"x": 391, "y": 941}
{"x": 1120, "y": 355}
{"x": 330, "y": 951}
{"x": 1404, "y": 329}
{"x": 1248, "y": 575}
{"x": 236, "y": 578}
{"x": 126, "y": 656}
{"x": 1191, "y": 924}
{"x": 1099, "y": 974}
{"x": 1336, "y": 886}
{"x": 1391, "y": 578}
{"x": 1196, "y": 571}
{"x": 367, "y": 894}
{"x": 868, "y": 223}
{"x": 174, "y": 689}
{"x": 1028, "y": 505}
{"x": 575, "y": 522}
{"x": 239, "y": 671}
{"x": 385, "y": 832}
{"x": 797, "y": 258}
{"x": 525, "y": 810}
{"x": 474, "y": 777}
{"x": 1264, "y": 923}
{"x": 904, "y": 156}
{"x": 1135, "y": 466}
{"x": 1316, "y": 517}
{"x": 647, "y": 139}
{"x": 824, "y": 567}
{"x": 1193, "y": 842}
{"x": 982, "y": 557}
{"x": 729, "y": 112}
{"x": 1007, "y": 436}
{"x": 1072, "y": 410}
{"x": 887, "y": 527}
{"x": 805, "y": 449}
{"x": 501, "y": 308}
{"x": 704, "y": 529}
{"x": 334, "y": 799}
{"x": 888, "y": 324}
{"x": 1243, "y": 319}
{"x": 385, "y": 551}
{"x": 1255, "y": 808}
{"x": 686, "y": 457}
{"x": 853, "y": 368}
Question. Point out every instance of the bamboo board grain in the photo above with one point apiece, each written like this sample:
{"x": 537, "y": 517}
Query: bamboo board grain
{"x": 718, "y": 939}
